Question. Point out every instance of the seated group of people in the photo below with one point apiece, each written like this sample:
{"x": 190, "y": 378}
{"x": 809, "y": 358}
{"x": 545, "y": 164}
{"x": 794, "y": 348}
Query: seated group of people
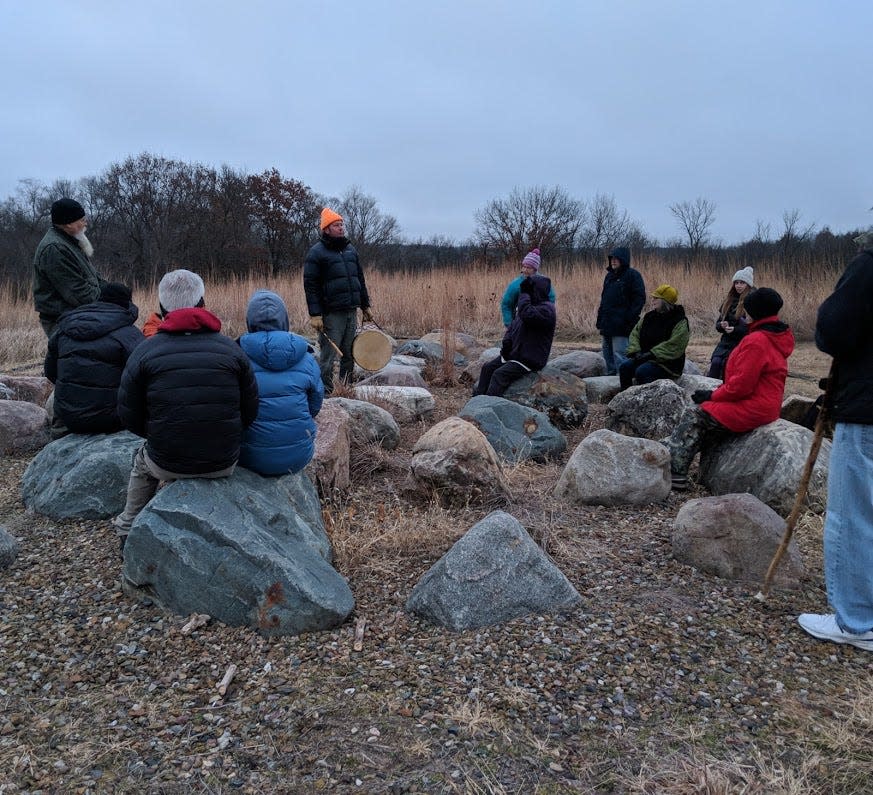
{"x": 202, "y": 401}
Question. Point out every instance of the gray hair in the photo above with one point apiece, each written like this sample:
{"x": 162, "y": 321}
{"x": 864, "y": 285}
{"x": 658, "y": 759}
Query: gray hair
{"x": 865, "y": 239}
{"x": 179, "y": 289}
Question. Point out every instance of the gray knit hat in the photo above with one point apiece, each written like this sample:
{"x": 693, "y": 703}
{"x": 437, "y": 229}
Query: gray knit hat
{"x": 865, "y": 239}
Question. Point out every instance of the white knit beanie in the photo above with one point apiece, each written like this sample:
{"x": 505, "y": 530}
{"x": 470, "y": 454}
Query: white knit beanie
{"x": 746, "y": 275}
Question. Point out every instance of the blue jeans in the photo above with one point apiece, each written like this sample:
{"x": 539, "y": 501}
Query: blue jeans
{"x": 613, "y": 349}
{"x": 848, "y": 531}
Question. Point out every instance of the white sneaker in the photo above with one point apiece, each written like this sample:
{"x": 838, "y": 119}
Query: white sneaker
{"x": 825, "y": 627}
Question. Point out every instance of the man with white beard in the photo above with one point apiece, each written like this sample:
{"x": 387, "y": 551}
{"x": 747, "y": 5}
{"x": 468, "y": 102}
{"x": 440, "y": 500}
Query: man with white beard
{"x": 63, "y": 276}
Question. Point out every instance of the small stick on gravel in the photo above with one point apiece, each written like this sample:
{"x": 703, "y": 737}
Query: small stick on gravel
{"x": 226, "y": 679}
{"x": 196, "y": 620}
{"x": 359, "y": 634}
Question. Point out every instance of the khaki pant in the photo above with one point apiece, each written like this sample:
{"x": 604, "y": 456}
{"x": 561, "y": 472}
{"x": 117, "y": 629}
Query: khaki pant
{"x": 145, "y": 477}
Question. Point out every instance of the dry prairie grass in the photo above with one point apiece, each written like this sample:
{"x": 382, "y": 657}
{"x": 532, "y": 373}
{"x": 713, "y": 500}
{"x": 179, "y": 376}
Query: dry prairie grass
{"x": 409, "y": 305}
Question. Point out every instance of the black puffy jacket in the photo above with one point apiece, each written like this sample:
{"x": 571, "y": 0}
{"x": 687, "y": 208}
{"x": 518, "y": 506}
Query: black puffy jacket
{"x": 844, "y": 329}
{"x": 529, "y": 337}
{"x": 190, "y": 391}
{"x": 622, "y": 298}
{"x": 332, "y": 277}
{"x": 85, "y": 360}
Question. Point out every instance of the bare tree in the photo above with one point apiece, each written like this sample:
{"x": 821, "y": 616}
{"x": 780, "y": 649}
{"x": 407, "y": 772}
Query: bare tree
{"x": 366, "y": 225}
{"x": 544, "y": 217}
{"x": 695, "y": 218}
{"x": 605, "y": 225}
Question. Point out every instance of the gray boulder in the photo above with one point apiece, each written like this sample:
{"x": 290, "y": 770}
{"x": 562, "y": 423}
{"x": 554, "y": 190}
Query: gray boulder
{"x": 23, "y": 427}
{"x": 470, "y": 374}
{"x": 651, "y": 411}
{"x": 601, "y": 388}
{"x": 607, "y": 468}
{"x": 691, "y": 368}
{"x": 431, "y": 352}
{"x": 370, "y": 424}
{"x": 492, "y": 574}
{"x": 395, "y": 375}
{"x": 406, "y": 403}
{"x": 8, "y": 549}
{"x": 795, "y": 408}
{"x": 768, "y": 463}
{"x": 516, "y": 432}
{"x": 735, "y": 537}
{"x": 558, "y": 394}
{"x": 29, "y": 388}
{"x": 582, "y": 364}
{"x": 80, "y": 477}
{"x": 246, "y": 550}
{"x": 690, "y": 383}
{"x": 462, "y": 343}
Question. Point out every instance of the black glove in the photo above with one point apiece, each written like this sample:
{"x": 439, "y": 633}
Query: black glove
{"x": 645, "y": 357}
{"x": 701, "y": 395}
{"x": 632, "y": 355}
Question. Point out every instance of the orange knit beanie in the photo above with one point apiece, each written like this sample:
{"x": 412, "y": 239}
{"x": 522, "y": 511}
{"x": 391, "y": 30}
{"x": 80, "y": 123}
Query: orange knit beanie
{"x": 328, "y": 216}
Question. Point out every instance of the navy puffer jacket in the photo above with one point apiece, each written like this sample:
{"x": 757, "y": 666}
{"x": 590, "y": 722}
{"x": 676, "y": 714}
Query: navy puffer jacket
{"x": 528, "y": 339}
{"x": 622, "y": 298}
{"x": 189, "y": 391}
{"x": 332, "y": 277}
{"x": 85, "y": 360}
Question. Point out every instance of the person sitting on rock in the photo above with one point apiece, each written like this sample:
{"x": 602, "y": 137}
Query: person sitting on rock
{"x": 751, "y": 395}
{"x": 527, "y": 342}
{"x": 657, "y": 342}
{"x": 86, "y": 356}
{"x": 189, "y": 391}
{"x": 282, "y": 438}
{"x": 530, "y": 265}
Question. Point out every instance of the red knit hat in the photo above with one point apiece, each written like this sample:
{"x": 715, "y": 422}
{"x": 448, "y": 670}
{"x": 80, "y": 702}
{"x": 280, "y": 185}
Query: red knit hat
{"x": 328, "y": 217}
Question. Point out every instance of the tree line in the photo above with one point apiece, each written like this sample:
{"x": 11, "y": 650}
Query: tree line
{"x": 149, "y": 214}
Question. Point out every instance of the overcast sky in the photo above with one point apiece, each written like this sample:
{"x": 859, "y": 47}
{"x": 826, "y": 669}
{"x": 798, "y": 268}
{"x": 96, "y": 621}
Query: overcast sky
{"x": 437, "y": 108}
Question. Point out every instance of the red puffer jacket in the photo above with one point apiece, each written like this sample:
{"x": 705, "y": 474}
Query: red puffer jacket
{"x": 754, "y": 382}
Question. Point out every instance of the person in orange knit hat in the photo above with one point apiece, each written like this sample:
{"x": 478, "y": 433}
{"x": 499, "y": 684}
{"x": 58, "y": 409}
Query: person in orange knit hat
{"x": 335, "y": 289}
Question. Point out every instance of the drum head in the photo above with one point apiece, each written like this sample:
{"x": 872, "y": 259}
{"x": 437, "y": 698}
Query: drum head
{"x": 372, "y": 349}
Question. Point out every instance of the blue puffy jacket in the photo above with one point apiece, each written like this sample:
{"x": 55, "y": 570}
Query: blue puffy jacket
{"x": 282, "y": 438}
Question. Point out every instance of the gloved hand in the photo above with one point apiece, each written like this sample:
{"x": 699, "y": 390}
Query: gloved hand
{"x": 317, "y": 323}
{"x": 632, "y": 355}
{"x": 701, "y": 395}
{"x": 645, "y": 357}
{"x": 366, "y": 316}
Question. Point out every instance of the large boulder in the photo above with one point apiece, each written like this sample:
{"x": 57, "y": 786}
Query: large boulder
{"x": 582, "y": 364}
{"x": 691, "y": 382}
{"x": 369, "y": 424}
{"x": 795, "y": 408}
{"x": 470, "y": 374}
{"x": 29, "y": 388}
{"x": 406, "y": 403}
{"x": 430, "y": 351}
{"x": 492, "y": 574}
{"x": 735, "y": 537}
{"x": 80, "y": 477}
{"x": 768, "y": 463}
{"x": 601, "y": 388}
{"x": 330, "y": 463}
{"x": 462, "y": 343}
{"x": 456, "y": 460}
{"x": 651, "y": 411}
{"x": 607, "y": 468}
{"x": 516, "y": 432}
{"x": 691, "y": 368}
{"x": 556, "y": 393}
{"x": 395, "y": 375}
{"x": 246, "y": 550}
{"x": 8, "y": 549}
{"x": 23, "y": 427}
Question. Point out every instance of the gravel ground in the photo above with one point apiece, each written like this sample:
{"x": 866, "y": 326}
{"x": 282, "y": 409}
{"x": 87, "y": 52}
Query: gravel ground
{"x": 664, "y": 680}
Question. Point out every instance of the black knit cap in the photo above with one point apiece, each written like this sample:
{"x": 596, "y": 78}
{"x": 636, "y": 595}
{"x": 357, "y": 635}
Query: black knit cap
{"x": 65, "y": 211}
{"x": 116, "y": 293}
{"x": 763, "y": 302}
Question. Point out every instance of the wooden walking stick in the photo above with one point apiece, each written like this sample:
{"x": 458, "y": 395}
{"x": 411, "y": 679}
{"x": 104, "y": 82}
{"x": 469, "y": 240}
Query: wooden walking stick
{"x": 333, "y": 344}
{"x": 803, "y": 486}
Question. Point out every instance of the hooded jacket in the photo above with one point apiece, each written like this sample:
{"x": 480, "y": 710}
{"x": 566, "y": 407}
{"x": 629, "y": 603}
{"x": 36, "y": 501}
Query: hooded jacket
{"x": 63, "y": 277}
{"x": 528, "y": 340}
{"x": 282, "y": 437}
{"x": 189, "y": 391}
{"x": 754, "y": 378}
{"x": 509, "y": 302}
{"x": 86, "y": 357}
{"x": 622, "y": 298}
{"x": 332, "y": 277}
{"x": 844, "y": 329}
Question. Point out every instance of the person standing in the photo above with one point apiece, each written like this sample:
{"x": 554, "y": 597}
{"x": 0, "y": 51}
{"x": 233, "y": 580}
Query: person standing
{"x": 732, "y": 323}
{"x": 333, "y": 281}
{"x": 844, "y": 329}
{"x": 656, "y": 348}
{"x": 621, "y": 302}
{"x": 529, "y": 266}
{"x": 63, "y": 276}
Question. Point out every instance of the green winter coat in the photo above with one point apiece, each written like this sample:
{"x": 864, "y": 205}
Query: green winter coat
{"x": 63, "y": 277}
{"x": 665, "y": 335}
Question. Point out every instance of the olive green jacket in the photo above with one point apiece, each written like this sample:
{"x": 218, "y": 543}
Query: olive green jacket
{"x": 63, "y": 277}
